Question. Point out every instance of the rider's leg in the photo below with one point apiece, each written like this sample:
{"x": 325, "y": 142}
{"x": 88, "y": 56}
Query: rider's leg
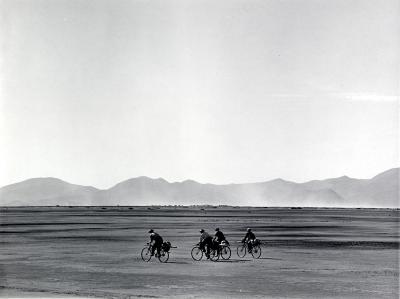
{"x": 218, "y": 246}
{"x": 209, "y": 244}
{"x": 159, "y": 249}
{"x": 250, "y": 245}
{"x": 201, "y": 245}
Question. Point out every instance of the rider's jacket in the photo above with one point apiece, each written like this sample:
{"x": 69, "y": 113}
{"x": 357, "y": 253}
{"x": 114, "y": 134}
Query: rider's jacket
{"x": 156, "y": 238}
{"x": 204, "y": 236}
{"x": 249, "y": 236}
{"x": 220, "y": 236}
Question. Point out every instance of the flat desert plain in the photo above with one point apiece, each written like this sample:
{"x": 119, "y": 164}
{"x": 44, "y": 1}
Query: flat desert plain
{"x": 95, "y": 252}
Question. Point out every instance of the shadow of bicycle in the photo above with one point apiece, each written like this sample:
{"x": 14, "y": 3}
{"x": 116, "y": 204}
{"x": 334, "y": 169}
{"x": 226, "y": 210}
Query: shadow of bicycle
{"x": 178, "y": 263}
{"x": 234, "y": 261}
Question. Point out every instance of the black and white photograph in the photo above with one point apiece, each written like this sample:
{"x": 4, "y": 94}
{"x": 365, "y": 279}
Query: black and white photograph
{"x": 199, "y": 149}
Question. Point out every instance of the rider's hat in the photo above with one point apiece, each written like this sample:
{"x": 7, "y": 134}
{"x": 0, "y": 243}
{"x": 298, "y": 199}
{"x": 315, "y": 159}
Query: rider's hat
{"x": 217, "y": 229}
{"x": 249, "y": 229}
{"x": 202, "y": 230}
{"x": 151, "y": 231}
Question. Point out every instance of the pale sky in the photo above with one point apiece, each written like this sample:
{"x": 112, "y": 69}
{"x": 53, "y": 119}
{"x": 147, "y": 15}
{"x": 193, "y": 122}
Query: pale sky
{"x": 96, "y": 92}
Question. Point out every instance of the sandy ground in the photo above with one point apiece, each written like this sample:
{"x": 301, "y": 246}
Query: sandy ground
{"x": 95, "y": 252}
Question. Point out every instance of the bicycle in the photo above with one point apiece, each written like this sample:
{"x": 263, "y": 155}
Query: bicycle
{"x": 197, "y": 253}
{"x": 163, "y": 257}
{"x": 243, "y": 248}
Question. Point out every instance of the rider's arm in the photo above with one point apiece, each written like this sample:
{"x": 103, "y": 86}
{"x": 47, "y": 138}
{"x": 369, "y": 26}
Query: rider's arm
{"x": 245, "y": 237}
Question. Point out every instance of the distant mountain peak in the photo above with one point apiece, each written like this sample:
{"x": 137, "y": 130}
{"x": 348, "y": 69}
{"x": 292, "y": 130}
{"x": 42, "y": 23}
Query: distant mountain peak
{"x": 280, "y": 181}
{"x": 189, "y": 182}
{"x": 39, "y": 181}
{"x": 44, "y": 179}
{"x": 162, "y": 180}
{"x": 390, "y": 172}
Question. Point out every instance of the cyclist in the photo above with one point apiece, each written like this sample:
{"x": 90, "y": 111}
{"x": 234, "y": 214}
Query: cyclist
{"x": 205, "y": 241}
{"x": 219, "y": 236}
{"x": 156, "y": 241}
{"x": 250, "y": 237}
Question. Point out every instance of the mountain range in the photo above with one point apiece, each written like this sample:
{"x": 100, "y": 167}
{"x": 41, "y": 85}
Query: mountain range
{"x": 381, "y": 191}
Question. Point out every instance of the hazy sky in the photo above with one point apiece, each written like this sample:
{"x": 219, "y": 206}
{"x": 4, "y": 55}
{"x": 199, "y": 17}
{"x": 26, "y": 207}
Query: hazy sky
{"x": 95, "y": 92}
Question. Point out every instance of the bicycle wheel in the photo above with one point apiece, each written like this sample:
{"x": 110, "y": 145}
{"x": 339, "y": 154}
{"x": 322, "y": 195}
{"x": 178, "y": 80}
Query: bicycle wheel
{"x": 146, "y": 254}
{"x": 241, "y": 250}
{"x": 226, "y": 253}
{"x": 256, "y": 252}
{"x": 197, "y": 253}
{"x": 214, "y": 255}
{"x": 164, "y": 256}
